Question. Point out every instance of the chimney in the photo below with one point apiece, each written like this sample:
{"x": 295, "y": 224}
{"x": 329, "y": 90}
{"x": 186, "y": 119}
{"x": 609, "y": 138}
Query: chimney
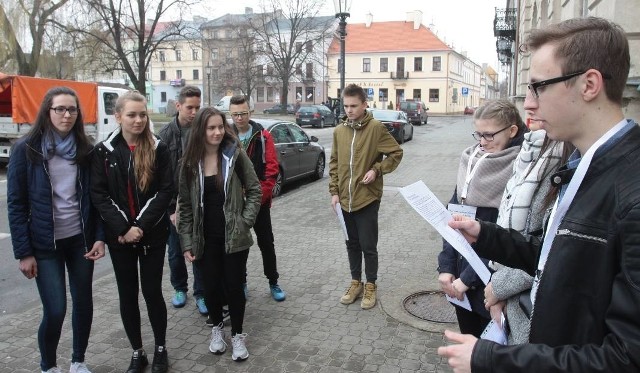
{"x": 248, "y": 10}
{"x": 368, "y": 19}
{"x": 417, "y": 19}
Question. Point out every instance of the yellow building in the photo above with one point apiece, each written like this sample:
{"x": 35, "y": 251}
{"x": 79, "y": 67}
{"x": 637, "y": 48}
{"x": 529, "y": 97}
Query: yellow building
{"x": 400, "y": 60}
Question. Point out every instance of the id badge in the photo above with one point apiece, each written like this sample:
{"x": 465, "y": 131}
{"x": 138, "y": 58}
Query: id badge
{"x": 466, "y": 210}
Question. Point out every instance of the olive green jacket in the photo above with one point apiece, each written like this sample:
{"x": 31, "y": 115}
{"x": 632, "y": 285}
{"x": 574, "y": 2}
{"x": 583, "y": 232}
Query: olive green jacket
{"x": 241, "y": 205}
{"x": 357, "y": 148}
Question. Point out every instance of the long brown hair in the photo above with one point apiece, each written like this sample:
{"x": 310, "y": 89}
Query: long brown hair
{"x": 195, "y": 151}
{"x": 144, "y": 156}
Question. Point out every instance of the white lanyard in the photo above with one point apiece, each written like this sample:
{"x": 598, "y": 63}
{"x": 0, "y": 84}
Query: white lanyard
{"x": 471, "y": 173}
{"x": 560, "y": 208}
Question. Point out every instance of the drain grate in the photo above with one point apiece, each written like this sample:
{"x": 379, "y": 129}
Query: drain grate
{"x": 430, "y": 306}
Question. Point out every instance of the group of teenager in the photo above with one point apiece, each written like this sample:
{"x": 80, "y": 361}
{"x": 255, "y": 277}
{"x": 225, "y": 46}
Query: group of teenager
{"x": 565, "y": 195}
{"x": 67, "y": 200}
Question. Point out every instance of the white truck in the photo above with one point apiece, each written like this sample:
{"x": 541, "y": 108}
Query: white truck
{"x": 21, "y": 97}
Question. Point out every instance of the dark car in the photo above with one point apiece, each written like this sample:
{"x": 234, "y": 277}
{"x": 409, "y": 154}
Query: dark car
{"x": 315, "y": 115}
{"x": 277, "y": 109}
{"x": 396, "y": 122}
{"x": 299, "y": 155}
{"x": 416, "y": 111}
{"x": 469, "y": 110}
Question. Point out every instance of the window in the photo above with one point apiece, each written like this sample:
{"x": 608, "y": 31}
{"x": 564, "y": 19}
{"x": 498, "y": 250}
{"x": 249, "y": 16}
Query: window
{"x": 339, "y": 65}
{"x": 163, "y": 75}
{"x": 178, "y": 74}
{"x": 308, "y": 96}
{"x": 194, "y": 54}
{"x": 366, "y": 65}
{"x": 298, "y": 47}
{"x": 178, "y": 55}
{"x": 196, "y": 74}
{"x": 298, "y": 93}
{"x": 299, "y": 69}
{"x": 260, "y": 71}
{"x": 214, "y": 53}
{"x": 417, "y": 94}
{"x": 161, "y": 56}
{"x": 383, "y": 94}
{"x": 309, "y": 71}
{"x": 110, "y": 99}
{"x": 260, "y": 94}
{"x": 229, "y": 52}
{"x": 269, "y": 70}
{"x": 436, "y": 63}
{"x": 215, "y": 75}
{"x": 384, "y": 65}
{"x": 269, "y": 94}
{"x": 216, "y": 34}
{"x": 434, "y": 95}
{"x": 163, "y": 96}
{"x": 417, "y": 64}
{"x": 309, "y": 46}
{"x": 454, "y": 96}
{"x": 280, "y": 134}
{"x": 298, "y": 135}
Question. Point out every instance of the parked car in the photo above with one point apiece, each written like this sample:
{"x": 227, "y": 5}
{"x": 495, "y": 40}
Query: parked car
{"x": 299, "y": 155}
{"x": 277, "y": 109}
{"x": 315, "y": 115}
{"x": 396, "y": 122}
{"x": 469, "y": 110}
{"x": 416, "y": 111}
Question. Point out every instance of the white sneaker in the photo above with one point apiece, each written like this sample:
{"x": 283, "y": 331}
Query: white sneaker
{"x": 217, "y": 344}
{"x": 239, "y": 349}
{"x": 52, "y": 370}
{"x": 79, "y": 368}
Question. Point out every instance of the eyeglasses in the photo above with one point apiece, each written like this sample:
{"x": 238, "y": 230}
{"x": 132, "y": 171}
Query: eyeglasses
{"x": 239, "y": 114}
{"x": 533, "y": 87}
{"x": 60, "y": 110}
{"x": 487, "y": 136}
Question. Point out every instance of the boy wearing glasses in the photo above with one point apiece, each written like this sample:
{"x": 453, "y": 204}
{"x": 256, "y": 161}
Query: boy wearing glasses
{"x": 586, "y": 291}
{"x": 258, "y": 144}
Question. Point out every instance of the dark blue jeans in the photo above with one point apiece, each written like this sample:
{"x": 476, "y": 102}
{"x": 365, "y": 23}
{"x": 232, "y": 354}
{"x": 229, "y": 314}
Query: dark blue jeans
{"x": 53, "y": 294}
{"x": 178, "y": 268}
{"x": 362, "y": 229}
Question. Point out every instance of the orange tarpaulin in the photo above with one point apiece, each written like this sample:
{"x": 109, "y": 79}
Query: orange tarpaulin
{"x": 21, "y": 97}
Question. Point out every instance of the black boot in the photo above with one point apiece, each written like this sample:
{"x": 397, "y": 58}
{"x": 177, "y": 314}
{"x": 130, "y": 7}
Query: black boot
{"x": 160, "y": 360}
{"x": 138, "y": 361}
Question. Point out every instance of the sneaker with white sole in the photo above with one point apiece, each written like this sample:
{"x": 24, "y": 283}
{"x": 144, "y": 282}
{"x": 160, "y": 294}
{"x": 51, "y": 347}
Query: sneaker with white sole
{"x": 240, "y": 352}
{"x": 79, "y": 368}
{"x": 52, "y": 370}
{"x": 217, "y": 344}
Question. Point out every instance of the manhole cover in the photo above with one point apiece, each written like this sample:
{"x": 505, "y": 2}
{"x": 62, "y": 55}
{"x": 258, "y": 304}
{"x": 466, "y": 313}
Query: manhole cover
{"x": 430, "y": 306}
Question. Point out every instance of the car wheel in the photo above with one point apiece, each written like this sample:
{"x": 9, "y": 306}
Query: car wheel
{"x": 401, "y": 138}
{"x": 319, "y": 172}
{"x": 322, "y": 123}
{"x": 277, "y": 187}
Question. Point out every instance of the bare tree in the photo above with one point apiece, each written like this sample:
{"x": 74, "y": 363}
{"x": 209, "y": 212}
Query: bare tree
{"x": 285, "y": 37}
{"x": 39, "y": 16}
{"x": 130, "y": 32}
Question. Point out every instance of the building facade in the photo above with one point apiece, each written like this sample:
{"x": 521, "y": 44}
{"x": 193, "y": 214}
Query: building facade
{"x": 400, "y": 60}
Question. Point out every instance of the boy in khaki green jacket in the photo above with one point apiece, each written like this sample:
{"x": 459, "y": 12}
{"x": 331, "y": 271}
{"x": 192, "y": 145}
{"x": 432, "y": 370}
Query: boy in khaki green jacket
{"x": 362, "y": 151}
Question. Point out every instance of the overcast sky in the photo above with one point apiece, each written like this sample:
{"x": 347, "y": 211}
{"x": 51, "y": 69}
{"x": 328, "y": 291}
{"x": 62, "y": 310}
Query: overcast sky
{"x": 465, "y": 24}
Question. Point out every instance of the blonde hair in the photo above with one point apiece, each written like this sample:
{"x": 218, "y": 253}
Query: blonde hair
{"x": 144, "y": 156}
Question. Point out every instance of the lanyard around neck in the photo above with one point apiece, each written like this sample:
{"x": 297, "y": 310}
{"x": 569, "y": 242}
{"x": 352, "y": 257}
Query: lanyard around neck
{"x": 471, "y": 171}
{"x": 561, "y": 206}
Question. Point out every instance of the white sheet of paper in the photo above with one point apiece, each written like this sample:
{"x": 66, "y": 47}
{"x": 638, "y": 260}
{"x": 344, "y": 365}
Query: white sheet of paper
{"x": 343, "y": 226}
{"x": 420, "y": 197}
{"x": 464, "y": 303}
{"x": 494, "y": 332}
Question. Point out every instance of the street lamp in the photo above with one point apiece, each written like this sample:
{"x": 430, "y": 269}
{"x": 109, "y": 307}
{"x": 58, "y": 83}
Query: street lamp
{"x": 342, "y": 12}
{"x": 208, "y": 83}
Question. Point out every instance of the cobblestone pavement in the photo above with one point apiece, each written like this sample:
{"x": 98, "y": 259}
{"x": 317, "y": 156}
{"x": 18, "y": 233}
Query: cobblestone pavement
{"x": 310, "y": 331}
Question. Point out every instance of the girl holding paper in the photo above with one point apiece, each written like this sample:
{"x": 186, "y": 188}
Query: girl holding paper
{"x": 483, "y": 173}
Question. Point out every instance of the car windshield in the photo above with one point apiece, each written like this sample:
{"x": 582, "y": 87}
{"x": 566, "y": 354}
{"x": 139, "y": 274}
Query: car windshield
{"x": 408, "y": 106}
{"x": 385, "y": 115}
{"x": 307, "y": 109}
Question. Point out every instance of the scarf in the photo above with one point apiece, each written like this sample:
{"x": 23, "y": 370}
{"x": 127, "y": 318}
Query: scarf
{"x": 487, "y": 185}
{"x": 53, "y": 144}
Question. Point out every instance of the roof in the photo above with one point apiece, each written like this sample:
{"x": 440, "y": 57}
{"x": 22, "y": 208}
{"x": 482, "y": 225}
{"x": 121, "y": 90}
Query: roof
{"x": 230, "y": 20}
{"x": 318, "y": 23}
{"x": 395, "y": 36}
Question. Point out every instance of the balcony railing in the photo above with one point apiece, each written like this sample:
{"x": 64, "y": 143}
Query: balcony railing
{"x": 399, "y": 75}
{"x": 504, "y": 24}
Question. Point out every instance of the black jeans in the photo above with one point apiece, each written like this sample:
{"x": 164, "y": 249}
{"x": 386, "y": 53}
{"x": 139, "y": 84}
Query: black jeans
{"x": 264, "y": 234}
{"x": 125, "y": 265}
{"x": 222, "y": 276}
{"x": 362, "y": 229}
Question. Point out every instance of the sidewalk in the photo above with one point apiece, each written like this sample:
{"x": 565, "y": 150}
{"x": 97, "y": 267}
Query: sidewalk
{"x": 310, "y": 331}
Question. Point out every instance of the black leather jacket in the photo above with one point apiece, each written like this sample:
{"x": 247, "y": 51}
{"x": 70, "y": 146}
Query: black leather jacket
{"x": 170, "y": 135}
{"x": 587, "y": 312}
